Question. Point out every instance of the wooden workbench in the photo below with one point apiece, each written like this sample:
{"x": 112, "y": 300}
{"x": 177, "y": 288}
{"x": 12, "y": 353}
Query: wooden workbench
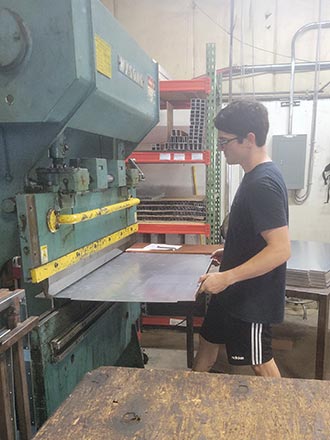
{"x": 124, "y": 403}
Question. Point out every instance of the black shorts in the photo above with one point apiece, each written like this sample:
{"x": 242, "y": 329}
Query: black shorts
{"x": 247, "y": 343}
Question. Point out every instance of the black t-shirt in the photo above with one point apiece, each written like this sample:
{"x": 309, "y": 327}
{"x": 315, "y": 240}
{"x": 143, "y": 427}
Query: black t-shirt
{"x": 261, "y": 203}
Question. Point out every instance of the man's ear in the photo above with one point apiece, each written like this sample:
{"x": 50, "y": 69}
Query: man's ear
{"x": 251, "y": 137}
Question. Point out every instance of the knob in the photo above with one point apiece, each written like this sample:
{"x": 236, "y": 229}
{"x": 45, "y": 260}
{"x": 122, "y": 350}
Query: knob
{"x": 14, "y": 40}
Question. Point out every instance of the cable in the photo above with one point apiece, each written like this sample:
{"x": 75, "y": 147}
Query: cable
{"x": 324, "y": 87}
{"x": 242, "y": 85}
{"x": 231, "y": 46}
{"x": 237, "y": 39}
{"x": 253, "y": 46}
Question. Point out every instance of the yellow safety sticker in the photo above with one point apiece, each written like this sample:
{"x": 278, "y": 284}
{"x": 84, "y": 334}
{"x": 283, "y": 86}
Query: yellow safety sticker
{"x": 44, "y": 254}
{"x": 103, "y": 57}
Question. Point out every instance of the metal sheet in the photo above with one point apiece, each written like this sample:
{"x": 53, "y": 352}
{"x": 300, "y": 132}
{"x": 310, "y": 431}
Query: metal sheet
{"x": 309, "y": 265}
{"x": 137, "y": 277}
{"x": 309, "y": 255}
{"x": 67, "y": 277}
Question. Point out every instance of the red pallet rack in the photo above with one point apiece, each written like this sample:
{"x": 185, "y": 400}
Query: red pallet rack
{"x": 176, "y": 94}
{"x": 171, "y": 156}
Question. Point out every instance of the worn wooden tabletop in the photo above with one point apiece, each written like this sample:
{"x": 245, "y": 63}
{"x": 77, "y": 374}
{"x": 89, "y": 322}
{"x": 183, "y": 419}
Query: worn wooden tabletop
{"x": 113, "y": 403}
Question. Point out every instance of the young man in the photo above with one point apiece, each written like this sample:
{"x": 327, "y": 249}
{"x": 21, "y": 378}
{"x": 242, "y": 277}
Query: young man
{"x": 248, "y": 294}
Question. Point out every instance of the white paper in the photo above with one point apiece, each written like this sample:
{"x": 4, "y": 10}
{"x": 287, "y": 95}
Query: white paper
{"x": 160, "y": 247}
{"x": 197, "y": 156}
{"x": 179, "y": 156}
{"x": 165, "y": 156}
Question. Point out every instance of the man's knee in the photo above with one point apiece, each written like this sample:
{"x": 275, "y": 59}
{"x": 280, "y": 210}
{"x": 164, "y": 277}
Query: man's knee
{"x": 267, "y": 369}
{"x": 258, "y": 369}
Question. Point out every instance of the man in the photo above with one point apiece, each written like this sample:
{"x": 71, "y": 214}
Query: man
{"x": 248, "y": 294}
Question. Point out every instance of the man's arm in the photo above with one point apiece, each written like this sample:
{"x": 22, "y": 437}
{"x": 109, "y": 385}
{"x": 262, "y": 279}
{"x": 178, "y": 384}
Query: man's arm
{"x": 276, "y": 252}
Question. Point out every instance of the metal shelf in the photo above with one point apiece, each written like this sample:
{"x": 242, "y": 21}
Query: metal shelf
{"x": 176, "y": 94}
{"x": 171, "y": 157}
{"x": 174, "y": 228}
{"x": 179, "y": 92}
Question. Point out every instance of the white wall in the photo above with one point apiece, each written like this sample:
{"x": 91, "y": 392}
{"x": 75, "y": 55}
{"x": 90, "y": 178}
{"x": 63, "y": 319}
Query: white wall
{"x": 175, "y": 33}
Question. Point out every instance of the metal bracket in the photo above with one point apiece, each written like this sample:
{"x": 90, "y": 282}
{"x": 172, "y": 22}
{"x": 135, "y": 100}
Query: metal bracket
{"x": 133, "y": 164}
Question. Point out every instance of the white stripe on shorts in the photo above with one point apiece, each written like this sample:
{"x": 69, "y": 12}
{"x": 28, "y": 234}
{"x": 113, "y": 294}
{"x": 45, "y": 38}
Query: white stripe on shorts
{"x": 256, "y": 346}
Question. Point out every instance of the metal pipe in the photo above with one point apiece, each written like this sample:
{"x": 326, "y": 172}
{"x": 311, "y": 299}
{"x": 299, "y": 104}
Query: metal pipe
{"x": 231, "y": 41}
{"x": 248, "y": 69}
{"x": 300, "y": 199}
{"x": 72, "y": 219}
{"x": 275, "y": 96}
{"x": 252, "y": 21}
{"x": 303, "y": 29}
{"x": 272, "y": 68}
{"x": 228, "y": 170}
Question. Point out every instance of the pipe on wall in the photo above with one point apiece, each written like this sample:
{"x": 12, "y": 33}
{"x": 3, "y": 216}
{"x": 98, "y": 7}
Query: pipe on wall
{"x": 302, "y": 30}
{"x": 272, "y": 68}
{"x": 298, "y": 197}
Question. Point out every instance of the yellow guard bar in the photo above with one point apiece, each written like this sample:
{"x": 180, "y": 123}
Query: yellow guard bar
{"x": 72, "y": 219}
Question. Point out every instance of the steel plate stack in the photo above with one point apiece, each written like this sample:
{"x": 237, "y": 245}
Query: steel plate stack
{"x": 309, "y": 265}
{"x": 173, "y": 209}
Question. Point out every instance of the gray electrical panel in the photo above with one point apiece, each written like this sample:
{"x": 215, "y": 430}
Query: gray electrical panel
{"x": 289, "y": 154}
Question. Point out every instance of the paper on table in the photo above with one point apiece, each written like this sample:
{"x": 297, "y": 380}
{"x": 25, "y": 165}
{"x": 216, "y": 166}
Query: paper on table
{"x": 160, "y": 247}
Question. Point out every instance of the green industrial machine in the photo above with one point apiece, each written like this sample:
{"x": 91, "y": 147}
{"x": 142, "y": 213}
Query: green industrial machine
{"x": 77, "y": 95}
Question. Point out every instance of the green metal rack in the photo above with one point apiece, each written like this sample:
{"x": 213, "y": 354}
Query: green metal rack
{"x": 213, "y": 176}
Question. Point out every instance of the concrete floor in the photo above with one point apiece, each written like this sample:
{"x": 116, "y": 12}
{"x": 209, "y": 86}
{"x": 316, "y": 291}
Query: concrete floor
{"x": 294, "y": 346}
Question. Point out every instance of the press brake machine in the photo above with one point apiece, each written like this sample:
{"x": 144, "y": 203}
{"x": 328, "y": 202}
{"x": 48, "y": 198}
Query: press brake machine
{"x": 77, "y": 95}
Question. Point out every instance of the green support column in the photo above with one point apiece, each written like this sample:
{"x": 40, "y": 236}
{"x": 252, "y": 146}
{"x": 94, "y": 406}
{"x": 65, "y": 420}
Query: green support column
{"x": 213, "y": 177}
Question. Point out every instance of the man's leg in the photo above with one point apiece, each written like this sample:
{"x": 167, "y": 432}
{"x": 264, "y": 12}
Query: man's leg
{"x": 268, "y": 369}
{"x": 251, "y": 344}
{"x": 206, "y": 355}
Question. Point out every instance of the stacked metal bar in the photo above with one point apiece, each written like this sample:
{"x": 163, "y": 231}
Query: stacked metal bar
{"x": 177, "y": 141}
{"x": 198, "y": 109}
{"x": 309, "y": 265}
{"x": 172, "y": 209}
{"x": 180, "y": 140}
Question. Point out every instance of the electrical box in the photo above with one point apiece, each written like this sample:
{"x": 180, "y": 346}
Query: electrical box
{"x": 289, "y": 154}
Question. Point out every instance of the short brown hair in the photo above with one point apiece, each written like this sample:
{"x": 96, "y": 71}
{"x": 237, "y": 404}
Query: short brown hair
{"x": 243, "y": 117}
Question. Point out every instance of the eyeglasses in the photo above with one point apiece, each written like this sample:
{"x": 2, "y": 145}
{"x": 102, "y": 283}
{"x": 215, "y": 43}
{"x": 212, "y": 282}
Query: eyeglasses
{"x": 224, "y": 141}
